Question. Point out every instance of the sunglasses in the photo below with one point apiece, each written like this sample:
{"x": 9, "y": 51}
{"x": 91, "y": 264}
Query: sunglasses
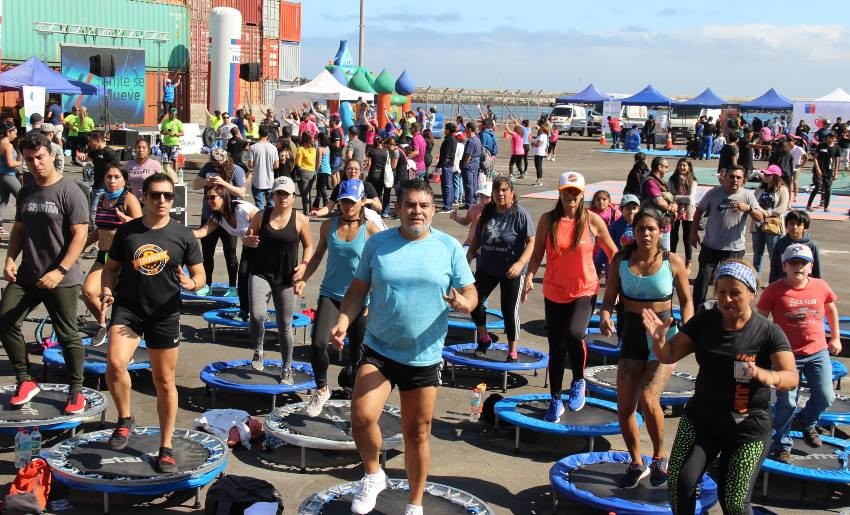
{"x": 211, "y": 197}
{"x": 154, "y": 195}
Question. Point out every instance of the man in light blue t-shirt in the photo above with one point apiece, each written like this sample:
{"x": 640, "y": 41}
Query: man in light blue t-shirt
{"x": 414, "y": 274}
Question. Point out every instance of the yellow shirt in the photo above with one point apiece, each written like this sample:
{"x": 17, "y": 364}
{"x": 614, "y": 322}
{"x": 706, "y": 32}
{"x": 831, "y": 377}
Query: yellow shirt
{"x": 215, "y": 122}
{"x": 71, "y": 122}
{"x": 254, "y": 132}
{"x": 22, "y": 113}
{"x": 175, "y": 126}
{"x": 306, "y": 158}
{"x": 84, "y": 127}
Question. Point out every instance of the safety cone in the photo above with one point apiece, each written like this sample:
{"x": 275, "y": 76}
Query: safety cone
{"x": 602, "y": 139}
{"x": 669, "y": 144}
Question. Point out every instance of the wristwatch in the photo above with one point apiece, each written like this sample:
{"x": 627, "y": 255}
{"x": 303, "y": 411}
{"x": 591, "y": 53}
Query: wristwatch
{"x": 62, "y": 269}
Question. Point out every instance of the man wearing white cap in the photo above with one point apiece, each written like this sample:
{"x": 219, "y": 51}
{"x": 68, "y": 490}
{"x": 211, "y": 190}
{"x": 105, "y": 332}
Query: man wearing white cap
{"x": 50, "y": 130}
{"x": 168, "y": 89}
{"x": 798, "y": 304}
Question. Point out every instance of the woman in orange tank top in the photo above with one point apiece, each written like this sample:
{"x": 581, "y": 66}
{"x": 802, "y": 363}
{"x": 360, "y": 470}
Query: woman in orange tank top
{"x": 567, "y": 235}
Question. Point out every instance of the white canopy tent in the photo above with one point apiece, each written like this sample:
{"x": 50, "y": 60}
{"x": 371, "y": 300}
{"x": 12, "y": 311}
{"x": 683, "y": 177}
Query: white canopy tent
{"x": 323, "y": 87}
{"x": 827, "y": 107}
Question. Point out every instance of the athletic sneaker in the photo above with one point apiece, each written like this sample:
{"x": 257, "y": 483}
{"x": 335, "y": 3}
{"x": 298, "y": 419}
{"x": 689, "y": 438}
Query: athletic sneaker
{"x": 577, "y": 395}
{"x": 413, "y": 509}
{"x": 317, "y": 402}
{"x": 75, "y": 404}
{"x": 286, "y": 376}
{"x": 658, "y": 471}
{"x": 782, "y": 457}
{"x": 556, "y": 409}
{"x": 512, "y": 358}
{"x": 231, "y": 292}
{"x": 483, "y": 345}
{"x": 121, "y": 433}
{"x": 165, "y": 463}
{"x": 366, "y": 494}
{"x": 203, "y": 290}
{"x": 632, "y": 476}
{"x": 812, "y": 437}
{"x": 100, "y": 336}
{"x": 257, "y": 360}
{"x": 24, "y": 393}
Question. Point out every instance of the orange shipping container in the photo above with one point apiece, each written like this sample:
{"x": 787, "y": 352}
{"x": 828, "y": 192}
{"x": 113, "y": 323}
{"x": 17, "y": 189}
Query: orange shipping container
{"x": 199, "y": 51}
{"x": 290, "y": 21}
{"x": 252, "y": 44}
{"x": 252, "y": 10}
{"x": 271, "y": 55}
{"x": 153, "y": 95}
{"x": 199, "y": 10}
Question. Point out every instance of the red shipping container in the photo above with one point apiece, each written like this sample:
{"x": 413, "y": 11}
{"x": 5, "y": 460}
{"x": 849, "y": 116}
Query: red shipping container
{"x": 199, "y": 10}
{"x": 199, "y": 42}
{"x": 252, "y": 10}
{"x": 252, "y": 43}
{"x": 153, "y": 95}
{"x": 290, "y": 21}
{"x": 271, "y": 56}
{"x": 198, "y": 87}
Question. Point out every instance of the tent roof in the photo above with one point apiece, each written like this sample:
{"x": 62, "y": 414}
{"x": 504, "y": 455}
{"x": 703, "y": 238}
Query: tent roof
{"x": 589, "y": 95}
{"x": 324, "y": 86}
{"x": 770, "y": 100}
{"x": 35, "y": 73}
{"x": 705, "y": 99}
{"x": 839, "y": 95}
{"x": 648, "y": 96}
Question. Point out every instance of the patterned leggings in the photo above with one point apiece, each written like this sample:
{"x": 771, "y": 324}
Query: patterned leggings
{"x": 693, "y": 451}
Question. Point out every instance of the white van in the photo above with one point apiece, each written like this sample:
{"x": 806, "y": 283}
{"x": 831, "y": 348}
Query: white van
{"x": 571, "y": 118}
{"x": 683, "y": 120}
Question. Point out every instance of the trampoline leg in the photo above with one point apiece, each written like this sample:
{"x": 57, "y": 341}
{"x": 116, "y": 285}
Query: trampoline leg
{"x": 73, "y": 432}
{"x": 546, "y": 378}
{"x": 274, "y": 402}
{"x": 452, "y": 366}
{"x": 213, "y": 398}
{"x": 554, "y": 500}
{"x": 516, "y": 440}
{"x": 832, "y": 431}
{"x": 383, "y": 459}
{"x": 590, "y": 442}
{"x": 764, "y": 479}
{"x": 103, "y": 419}
{"x": 211, "y": 327}
{"x": 303, "y": 459}
{"x": 105, "y": 502}
{"x": 44, "y": 372}
{"x": 197, "y": 504}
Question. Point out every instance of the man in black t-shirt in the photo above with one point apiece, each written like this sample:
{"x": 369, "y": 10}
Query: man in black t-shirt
{"x": 101, "y": 157}
{"x": 272, "y": 125}
{"x": 147, "y": 255}
{"x": 728, "y": 153}
{"x": 844, "y": 147}
{"x": 823, "y": 172}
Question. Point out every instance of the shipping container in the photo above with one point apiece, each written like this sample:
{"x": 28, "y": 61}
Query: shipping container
{"x": 198, "y": 87}
{"x": 289, "y": 61}
{"x": 199, "y": 52}
{"x": 153, "y": 95}
{"x": 269, "y": 87}
{"x": 252, "y": 10}
{"x": 251, "y": 95}
{"x": 271, "y": 58}
{"x": 290, "y": 21}
{"x": 271, "y": 19}
{"x": 199, "y": 10}
{"x": 20, "y": 42}
{"x": 252, "y": 44}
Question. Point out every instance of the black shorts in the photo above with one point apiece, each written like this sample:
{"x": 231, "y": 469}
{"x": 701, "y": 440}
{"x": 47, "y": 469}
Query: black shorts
{"x": 102, "y": 256}
{"x": 406, "y": 377}
{"x": 636, "y": 343}
{"x": 159, "y": 332}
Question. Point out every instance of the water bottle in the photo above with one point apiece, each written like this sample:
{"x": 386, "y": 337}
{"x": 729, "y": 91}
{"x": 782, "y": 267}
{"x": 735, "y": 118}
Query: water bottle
{"x": 303, "y": 303}
{"x": 18, "y": 436}
{"x": 35, "y": 439}
{"x": 475, "y": 402}
{"x": 23, "y": 448}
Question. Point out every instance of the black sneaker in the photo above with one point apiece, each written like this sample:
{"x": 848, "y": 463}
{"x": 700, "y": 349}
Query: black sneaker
{"x": 782, "y": 457}
{"x": 165, "y": 463}
{"x": 121, "y": 433}
{"x": 100, "y": 336}
{"x": 658, "y": 472}
{"x": 812, "y": 437}
{"x": 633, "y": 476}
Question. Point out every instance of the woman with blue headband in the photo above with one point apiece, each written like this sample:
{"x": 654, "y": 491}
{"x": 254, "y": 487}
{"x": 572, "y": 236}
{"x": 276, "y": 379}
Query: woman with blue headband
{"x": 741, "y": 356}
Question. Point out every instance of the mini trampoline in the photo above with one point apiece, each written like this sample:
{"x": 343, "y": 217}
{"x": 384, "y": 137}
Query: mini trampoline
{"x": 843, "y": 327}
{"x": 605, "y": 346}
{"x": 438, "y": 500}
{"x": 591, "y": 479}
{"x": 216, "y": 295}
{"x": 595, "y": 320}
{"x": 45, "y": 409}
{"x": 814, "y": 464}
{"x": 839, "y": 370}
{"x": 463, "y": 354}
{"x": 837, "y": 414}
{"x": 602, "y": 381}
{"x": 597, "y": 418}
{"x": 95, "y": 359}
{"x": 88, "y": 463}
{"x": 494, "y": 321}
{"x": 239, "y": 376}
{"x": 229, "y": 317}
{"x": 331, "y": 430}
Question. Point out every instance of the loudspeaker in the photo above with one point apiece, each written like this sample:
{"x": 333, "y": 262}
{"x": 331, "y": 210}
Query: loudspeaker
{"x": 123, "y": 137}
{"x": 102, "y": 65}
{"x": 250, "y": 72}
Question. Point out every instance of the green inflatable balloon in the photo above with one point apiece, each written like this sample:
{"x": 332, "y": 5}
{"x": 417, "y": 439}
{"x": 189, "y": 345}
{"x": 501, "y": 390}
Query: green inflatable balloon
{"x": 385, "y": 83}
{"x": 360, "y": 83}
{"x": 370, "y": 78}
{"x": 398, "y": 100}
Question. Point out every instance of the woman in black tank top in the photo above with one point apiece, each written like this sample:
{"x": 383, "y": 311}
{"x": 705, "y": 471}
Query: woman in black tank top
{"x": 276, "y": 233}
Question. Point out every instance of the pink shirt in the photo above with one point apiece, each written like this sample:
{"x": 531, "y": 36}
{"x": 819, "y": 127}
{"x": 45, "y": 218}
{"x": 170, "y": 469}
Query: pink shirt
{"x": 137, "y": 173}
{"x": 419, "y": 144}
{"x": 516, "y": 144}
{"x": 308, "y": 126}
{"x": 553, "y": 136}
{"x": 799, "y": 312}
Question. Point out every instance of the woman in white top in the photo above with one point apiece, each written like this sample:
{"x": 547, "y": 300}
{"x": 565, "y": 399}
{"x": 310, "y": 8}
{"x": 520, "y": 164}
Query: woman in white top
{"x": 683, "y": 184}
{"x": 540, "y": 146}
{"x": 234, "y": 216}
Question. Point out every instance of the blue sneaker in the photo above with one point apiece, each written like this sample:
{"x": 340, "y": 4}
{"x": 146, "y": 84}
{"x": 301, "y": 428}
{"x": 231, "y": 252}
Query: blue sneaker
{"x": 231, "y": 292}
{"x": 577, "y": 395}
{"x": 556, "y": 409}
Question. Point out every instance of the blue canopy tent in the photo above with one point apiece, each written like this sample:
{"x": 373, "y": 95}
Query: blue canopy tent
{"x": 35, "y": 73}
{"x": 770, "y": 101}
{"x": 648, "y": 96}
{"x": 705, "y": 99}
{"x": 589, "y": 95}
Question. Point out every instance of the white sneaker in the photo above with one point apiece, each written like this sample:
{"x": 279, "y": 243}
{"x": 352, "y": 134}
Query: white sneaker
{"x": 367, "y": 492}
{"x": 413, "y": 509}
{"x": 286, "y": 376}
{"x": 257, "y": 361}
{"x": 317, "y": 402}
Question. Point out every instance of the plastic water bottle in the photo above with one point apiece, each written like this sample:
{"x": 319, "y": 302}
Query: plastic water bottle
{"x": 35, "y": 442}
{"x": 303, "y": 303}
{"x": 23, "y": 448}
{"x": 475, "y": 402}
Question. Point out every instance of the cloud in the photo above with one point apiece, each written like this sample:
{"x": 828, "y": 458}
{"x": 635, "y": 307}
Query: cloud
{"x": 418, "y": 17}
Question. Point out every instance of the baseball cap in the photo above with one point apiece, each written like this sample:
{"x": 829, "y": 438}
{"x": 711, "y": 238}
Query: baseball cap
{"x": 629, "y": 199}
{"x": 351, "y": 189}
{"x": 219, "y": 155}
{"x": 797, "y": 251}
{"x": 485, "y": 188}
{"x": 283, "y": 183}
{"x": 571, "y": 180}
{"x": 35, "y": 118}
{"x": 167, "y": 80}
{"x": 48, "y": 128}
{"x": 173, "y": 109}
{"x": 772, "y": 170}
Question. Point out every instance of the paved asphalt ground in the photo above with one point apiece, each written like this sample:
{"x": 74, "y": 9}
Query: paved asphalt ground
{"x": 466, "y": 455}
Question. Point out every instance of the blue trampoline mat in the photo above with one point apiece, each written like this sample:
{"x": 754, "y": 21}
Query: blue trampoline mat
{"x": 816, "y": 464}
{"x": 494, "y": 322}
{"x": 239, "y": 376}
{"x": 591, "y": 479}
{"x": 216, "y": 295}
{"x": 229, "y": 317}
{"x": 597, "y": 343}
{"x": 95, "y": 357}
{"x": 597, "y": 418}
{"x": 843, "y": 327}
{"x": 463, "y": 354}
{"x": 837, "y": 414}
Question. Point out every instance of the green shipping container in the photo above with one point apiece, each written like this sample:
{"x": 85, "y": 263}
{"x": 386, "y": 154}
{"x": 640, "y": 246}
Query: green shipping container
{"x": 20, "y": 41}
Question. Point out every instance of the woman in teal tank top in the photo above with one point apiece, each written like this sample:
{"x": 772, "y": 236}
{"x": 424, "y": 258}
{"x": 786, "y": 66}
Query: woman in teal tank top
{"x": 342, "y": 238}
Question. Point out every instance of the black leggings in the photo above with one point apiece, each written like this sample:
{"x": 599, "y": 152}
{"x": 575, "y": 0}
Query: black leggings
{"x": 326, "y": 315}
{"x": 538, "y": 166}
{"x": 686, "y": 234}
{"x": 525, "y": 148}
{"x": 245, "y": 261}
{"x": 228, "y": 243}
{"x": 566, "y": 325}
{"x": 694, "y": 449}
{"x": 323, "y": 182}
{"x": 509, "y": 289}
{"x": 517, "y": 160}
{"x": 822, "y": 185}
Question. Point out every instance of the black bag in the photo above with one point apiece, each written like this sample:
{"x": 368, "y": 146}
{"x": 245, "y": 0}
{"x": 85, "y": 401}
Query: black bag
{"x": 488, "y": 409}
{"x": 232, "y": 495}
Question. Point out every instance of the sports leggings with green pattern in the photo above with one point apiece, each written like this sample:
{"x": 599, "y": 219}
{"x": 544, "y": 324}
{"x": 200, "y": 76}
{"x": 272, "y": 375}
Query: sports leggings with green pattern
{"x": 693, "y": 451}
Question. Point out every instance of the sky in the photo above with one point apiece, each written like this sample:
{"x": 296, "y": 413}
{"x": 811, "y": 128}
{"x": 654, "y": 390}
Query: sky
{"x": 738, "y": 48}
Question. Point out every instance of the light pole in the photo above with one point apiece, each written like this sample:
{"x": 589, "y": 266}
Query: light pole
{"x": 362, "y": 44}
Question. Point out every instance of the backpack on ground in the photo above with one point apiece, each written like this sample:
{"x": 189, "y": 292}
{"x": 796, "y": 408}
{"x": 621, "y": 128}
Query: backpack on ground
{"x": 30, "y": 490}
{"x": 232, "y": 495}
{"x": 488, "y": 408}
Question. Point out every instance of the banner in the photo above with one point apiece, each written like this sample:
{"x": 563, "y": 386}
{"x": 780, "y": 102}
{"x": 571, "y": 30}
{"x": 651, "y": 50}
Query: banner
{"x": 34, "y": 97}
{"x": 124, "y": 93}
